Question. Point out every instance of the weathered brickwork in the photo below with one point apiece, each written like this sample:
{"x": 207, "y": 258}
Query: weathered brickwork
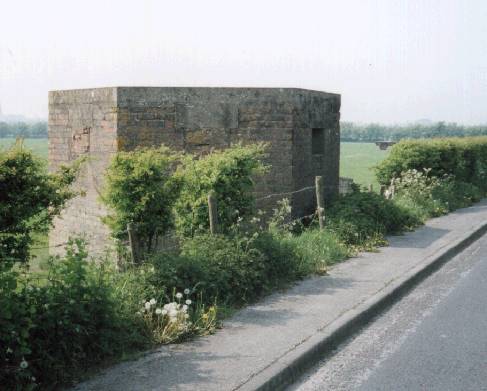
{"x": 301, "y": 128}
{"x": 83, "y": 123}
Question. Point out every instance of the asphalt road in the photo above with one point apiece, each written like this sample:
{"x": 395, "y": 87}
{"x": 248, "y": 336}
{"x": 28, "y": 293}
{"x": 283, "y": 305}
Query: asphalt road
{"x": 435, "y": 338}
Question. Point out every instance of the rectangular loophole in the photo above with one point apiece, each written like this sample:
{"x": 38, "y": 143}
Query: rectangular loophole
{"x": 318, "y": 141}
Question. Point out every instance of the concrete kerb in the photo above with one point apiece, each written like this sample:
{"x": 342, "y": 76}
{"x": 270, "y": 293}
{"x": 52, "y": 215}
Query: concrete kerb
{"x": 288, "y": 368}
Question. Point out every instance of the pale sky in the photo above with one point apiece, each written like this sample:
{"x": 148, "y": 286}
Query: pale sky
{"x": 392, "y": 60}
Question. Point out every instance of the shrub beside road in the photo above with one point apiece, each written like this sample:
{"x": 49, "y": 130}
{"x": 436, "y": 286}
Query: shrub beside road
{"x": 51, "y": 321}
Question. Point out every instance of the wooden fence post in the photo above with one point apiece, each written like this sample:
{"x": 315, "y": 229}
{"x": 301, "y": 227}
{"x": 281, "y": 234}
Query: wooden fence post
{"x": 319, "y": 201}
{"x": 212, "y": 213}
{"x": 371, "y": 188}
{"x": 134, "y": 246}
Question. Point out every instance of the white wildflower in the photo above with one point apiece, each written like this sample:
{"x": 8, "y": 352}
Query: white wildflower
{"x": 171, "y": 306}
{"x": 185, "y": 308}
{"x": 147, "y": 305}
{"x": 179, "y": 295}
{"x": 153, "y": 301}
{"x": 186, "y": 291}
{"x": 188, "y": 302}
{"x": 164, "y": 312}
{"x": 23, "y": 364}
{"x": 158, "y": 311}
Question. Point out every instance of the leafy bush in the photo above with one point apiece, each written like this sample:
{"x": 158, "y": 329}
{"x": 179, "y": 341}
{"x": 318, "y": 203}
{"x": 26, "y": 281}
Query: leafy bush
{"x": 141, "y": 189}
{"x": 51, "y": 333}
{"x": 229, "y": 174}
{"x": 230, "y": 269}
{"x": 363, "y": 218}
{"x": 84, "y": 314}
{"x": 30, "y": 197}
{"x": 464, "y": 158}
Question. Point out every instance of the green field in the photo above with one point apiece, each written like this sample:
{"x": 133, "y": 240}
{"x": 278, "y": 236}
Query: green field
{"x": 38, "y": 145}
{"x": 356, "y": 159}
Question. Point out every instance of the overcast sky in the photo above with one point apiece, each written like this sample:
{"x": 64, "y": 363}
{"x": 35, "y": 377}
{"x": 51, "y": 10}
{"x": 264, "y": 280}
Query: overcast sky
{"x": 392, "y": 60}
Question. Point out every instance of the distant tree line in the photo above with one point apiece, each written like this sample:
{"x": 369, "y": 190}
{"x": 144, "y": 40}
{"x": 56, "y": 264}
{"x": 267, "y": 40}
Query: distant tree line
{"x": 376, "y": 132}
{"x": 23, "y": 129}
{"x": 350, "y": 131}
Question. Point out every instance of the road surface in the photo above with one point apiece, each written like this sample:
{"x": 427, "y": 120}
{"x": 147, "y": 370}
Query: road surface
{"x": 435, "y": 338}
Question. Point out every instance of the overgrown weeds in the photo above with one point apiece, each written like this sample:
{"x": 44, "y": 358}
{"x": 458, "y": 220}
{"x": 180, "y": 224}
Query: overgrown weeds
{"x": 85, "y": 313}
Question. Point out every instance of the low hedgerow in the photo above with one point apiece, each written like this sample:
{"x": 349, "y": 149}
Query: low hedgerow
{"x": 464, "y": 158}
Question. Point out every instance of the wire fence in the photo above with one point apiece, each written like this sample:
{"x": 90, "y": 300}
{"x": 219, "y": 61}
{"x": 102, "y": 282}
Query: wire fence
{"x": 49, "y": 247}
{"x": 285, "y": 193}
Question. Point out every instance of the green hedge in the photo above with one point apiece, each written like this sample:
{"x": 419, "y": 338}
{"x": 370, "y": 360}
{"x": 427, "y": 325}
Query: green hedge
{"x": 464, "y": 158}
